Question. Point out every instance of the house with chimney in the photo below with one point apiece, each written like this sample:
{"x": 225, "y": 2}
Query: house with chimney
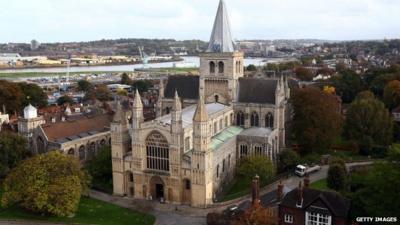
{"x": 307, "y": 206}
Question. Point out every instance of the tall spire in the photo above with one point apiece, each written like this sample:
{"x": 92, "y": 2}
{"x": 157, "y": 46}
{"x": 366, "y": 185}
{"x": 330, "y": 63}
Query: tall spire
{"x": 137, "y": 102}
{"x": 177, "y": 106}
{"x": 201, "y": 113}
{"x": 221, "y": 38}
{"x": 119, "y": 116}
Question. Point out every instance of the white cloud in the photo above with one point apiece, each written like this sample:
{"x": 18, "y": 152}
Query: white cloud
{"x": 76, "y": 20}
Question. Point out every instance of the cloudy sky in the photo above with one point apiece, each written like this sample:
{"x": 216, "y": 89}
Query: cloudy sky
{"x": 84, "y": 20}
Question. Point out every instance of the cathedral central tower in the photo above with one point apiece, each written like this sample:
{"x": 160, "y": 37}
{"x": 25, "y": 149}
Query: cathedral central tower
{"x": 221, "y": 65}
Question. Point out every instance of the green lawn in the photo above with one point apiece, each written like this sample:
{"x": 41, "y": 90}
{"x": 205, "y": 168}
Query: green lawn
{"x": 90, "y": 211}
{"x": 320, "y": 185}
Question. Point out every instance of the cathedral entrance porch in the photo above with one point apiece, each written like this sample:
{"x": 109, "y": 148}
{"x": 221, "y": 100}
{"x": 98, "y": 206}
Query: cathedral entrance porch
{"x": 157, "y": 188}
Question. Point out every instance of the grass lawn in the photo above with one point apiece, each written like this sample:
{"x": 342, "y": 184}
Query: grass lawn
{"x": 90, "y": 211}
{"x": 320, "y": 185}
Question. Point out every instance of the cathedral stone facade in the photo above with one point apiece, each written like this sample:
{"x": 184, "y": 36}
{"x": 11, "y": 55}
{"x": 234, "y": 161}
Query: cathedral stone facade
{"x": 204, "y": 125}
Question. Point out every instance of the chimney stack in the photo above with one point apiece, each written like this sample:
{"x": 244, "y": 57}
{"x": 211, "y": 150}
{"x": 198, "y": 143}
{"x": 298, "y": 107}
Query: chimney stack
{"x": 279, "y": 191}
{"x": 307, "y": 180}
{"x": 299, "y": 202}
{"x": 256, "y": 191}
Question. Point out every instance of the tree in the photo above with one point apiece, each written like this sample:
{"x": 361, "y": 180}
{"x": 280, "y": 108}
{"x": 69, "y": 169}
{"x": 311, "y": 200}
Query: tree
{"x": 288, "y": 160}
{"x": 49, "y": 183}
{"x": 368, "y": 123}
{"x": 13, "y": 149}
{"x": 391, "y": 94}
{"x": 125, "y": 79}
{"x": 65, "y": 99}
{"x": 142, "y": 85}
{"x": 378, "y": 194}
{"x": 102, "y": 93}
{"x": 11, "y": 96}
{"x": 251, "y": 67}
{"x": 84, "y": 85}
{"x": 33, "y": 94}
{"x": 348, "y": 84}
{"x": 256, "y": 165}
{"x": 317, "y": 121}
{"x": 337, "y": 177}
{"x": 303, "y": 73}
{"x": 100, "y": 169}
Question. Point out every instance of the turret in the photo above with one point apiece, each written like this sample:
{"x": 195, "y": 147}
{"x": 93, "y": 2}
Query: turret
{"x": 202, "y": 158}
{"x": 120, "y": 146}
{"x": 137, "y": 111}
{"x": 159, "y": 105}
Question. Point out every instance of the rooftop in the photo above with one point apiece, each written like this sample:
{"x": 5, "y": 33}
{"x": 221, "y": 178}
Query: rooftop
{"x": 188, "y": 113}
{"x": 256, "y": 132}
{"x": 225, "y": 135}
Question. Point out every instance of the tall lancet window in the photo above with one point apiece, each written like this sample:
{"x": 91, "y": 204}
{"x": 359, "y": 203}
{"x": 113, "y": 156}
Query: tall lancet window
{"x": 254, "y": 122}
{"x": 269, "y": 120}
{"x": 212, "y": 67}
{"x": 220, "y": 67}
{"x": 240, "y": 119}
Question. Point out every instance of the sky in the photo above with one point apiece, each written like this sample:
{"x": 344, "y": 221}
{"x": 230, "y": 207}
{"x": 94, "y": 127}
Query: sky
{"x": 85, "y": 20}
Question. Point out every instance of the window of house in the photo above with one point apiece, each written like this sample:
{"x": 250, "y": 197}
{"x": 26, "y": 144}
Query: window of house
{"x": 220, "y": 124}
{"x": 157, "y": 152}
{"x": 317, "y": 219}
{"x": 220, "y": 67}
{"x": 215, "y": 127}
{"x": 223, "y": 165}
{"x": 288, "y": 218}
{"x": 226, "y": 121}
{"x": 269, "y": 120}
{"x": 217, "y": 170}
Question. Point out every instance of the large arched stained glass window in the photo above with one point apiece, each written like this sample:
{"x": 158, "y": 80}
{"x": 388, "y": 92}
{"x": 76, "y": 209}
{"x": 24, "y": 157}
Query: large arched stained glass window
{"x": 157, "y": 152}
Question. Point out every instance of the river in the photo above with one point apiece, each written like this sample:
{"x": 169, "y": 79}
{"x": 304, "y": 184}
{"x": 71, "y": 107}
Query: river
{"x": 188, "y": 61}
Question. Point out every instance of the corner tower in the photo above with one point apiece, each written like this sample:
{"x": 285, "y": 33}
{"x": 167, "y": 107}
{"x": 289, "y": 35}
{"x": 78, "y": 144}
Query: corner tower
{"x": 220, "y": 66}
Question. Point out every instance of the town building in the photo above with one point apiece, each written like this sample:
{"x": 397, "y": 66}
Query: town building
{"x": 73, "y": 132}
{"x": 4, "y": 118}
{"x": 304, "y": 206}
{"x": 204, "y": 125}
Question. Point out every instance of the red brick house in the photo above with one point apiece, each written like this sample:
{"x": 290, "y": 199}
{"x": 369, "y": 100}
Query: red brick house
{"x": 306, "y": 206}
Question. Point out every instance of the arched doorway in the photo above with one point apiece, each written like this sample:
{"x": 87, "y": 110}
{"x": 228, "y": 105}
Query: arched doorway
{"x": 157, "y": 188}
{"x": 186, "y": 192}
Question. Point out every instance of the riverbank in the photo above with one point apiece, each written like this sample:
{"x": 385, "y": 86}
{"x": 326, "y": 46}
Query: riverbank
{"x": 87, "y": 65}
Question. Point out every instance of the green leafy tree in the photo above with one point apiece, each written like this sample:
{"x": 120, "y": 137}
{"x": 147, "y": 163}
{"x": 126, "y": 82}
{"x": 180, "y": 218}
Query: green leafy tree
{"x": 49, "y": 183}
{"x": 317, "y": 121}
{"x": 256, "y": 165}
{"x": 100, "y": 169}
{"x": 348, "y": 84}
{"x": 125, "y": 79}
{"x": 378, "y": 193}
{"x": 33, "y": 94}
{"x": 65, "y": 99}
{"x": 251, "y": 67}
{"x": 102, "y": 93}
{"x": 368, "y": 123}
{"x": 303, "y": 73}
{"x": 11, "y": 96}
{"x": 142, "y": 85}
{"x": 84, "y": 85}
{"x": 391, "y": 94}
{"x": 13, "y": 149}
{"x": 288, "y": 160}
{"x": 337, "y": 177}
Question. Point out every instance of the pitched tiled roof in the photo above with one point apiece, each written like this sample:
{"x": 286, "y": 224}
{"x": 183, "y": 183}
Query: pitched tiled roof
{"x": 187, "y": 86}
{"x": 338, "y": 205}
{"x": 256, "y": 90}
{"x": 62, "y": 130}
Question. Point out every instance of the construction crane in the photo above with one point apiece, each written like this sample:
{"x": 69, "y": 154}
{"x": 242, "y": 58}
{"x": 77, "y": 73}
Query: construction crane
{"x": 143, "y": 56}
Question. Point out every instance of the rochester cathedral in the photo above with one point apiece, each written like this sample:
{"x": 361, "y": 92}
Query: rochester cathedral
{"x": 204, "y": 125}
